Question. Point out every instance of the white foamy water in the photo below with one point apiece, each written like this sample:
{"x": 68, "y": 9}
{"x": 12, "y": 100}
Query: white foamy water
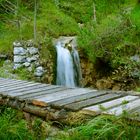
{"x": 68, "y": 67}
{"x": 65, "y": 72}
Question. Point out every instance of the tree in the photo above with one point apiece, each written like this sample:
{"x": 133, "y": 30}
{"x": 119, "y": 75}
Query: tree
{"x": 35, "y": 14}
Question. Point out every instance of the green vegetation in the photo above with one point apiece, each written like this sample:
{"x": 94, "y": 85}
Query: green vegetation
{"x": 6, "y": 71}
{"x": 13, "y": 126}
{"x": 112, "y": 38}
{"x": 108, "y": 34}
{"x": 104, "y": 128}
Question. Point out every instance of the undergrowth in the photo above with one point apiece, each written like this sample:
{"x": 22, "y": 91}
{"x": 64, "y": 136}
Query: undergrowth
{"x": 103, "y": 128}
{"x": 12, "y": 126}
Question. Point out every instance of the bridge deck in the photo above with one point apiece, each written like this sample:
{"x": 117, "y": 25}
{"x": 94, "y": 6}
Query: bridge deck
{"x": 26, "y": 95}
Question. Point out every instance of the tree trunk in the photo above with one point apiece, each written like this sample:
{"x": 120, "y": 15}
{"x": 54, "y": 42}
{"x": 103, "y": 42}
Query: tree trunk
{"x": 35, "y": 13}
{"x": 94, "y": 12}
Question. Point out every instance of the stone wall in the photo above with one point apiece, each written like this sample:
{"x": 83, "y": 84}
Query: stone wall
{"x": 27, "y": 56}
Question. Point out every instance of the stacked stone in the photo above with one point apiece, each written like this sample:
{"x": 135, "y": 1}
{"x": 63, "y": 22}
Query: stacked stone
{"x": 26, "y": 55}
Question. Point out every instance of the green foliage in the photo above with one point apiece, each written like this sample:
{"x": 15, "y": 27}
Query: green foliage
{"x": 24, "y": 74}
{"x": 135, "y": 16}
{"x": 52, "y": 22}
{"x": 79, "y": 10}
{"x": 114, "y": 38}
{"x": 104, "y": 128}
{"x": 12, "y": 126}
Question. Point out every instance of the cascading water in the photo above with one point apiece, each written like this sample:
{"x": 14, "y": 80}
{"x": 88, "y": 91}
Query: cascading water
{"x": 77, "y": 67}
{"x": 68, "y": 67}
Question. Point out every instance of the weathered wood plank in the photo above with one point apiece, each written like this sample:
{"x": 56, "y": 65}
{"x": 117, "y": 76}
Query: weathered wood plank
{"x": 28, "y": 88}
{"x": 110, "y": 104}
{"x": 92, "y": 101}
{"x": 42, "y": 93}
{"x": 64, "y": 94}
{"x": 11, "y": 80}
{"x": 14, "y": 84}
{"x": 77, "y": 98}
{"x": 126, "y": 107}
{"x": 33, "y": 90}
{"x": 3, "y": 83}
{"x": 14, "y": 88}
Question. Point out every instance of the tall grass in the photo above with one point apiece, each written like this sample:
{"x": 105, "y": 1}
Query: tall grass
{"x": 104, "y": 128}
{"x": 12, "y": 126}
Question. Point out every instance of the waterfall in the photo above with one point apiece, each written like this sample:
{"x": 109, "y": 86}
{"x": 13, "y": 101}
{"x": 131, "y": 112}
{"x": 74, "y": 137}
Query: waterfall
{"x": 68, "y": 67}
{"x": 77, "y": 67}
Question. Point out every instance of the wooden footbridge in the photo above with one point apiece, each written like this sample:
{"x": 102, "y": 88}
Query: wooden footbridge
{"x": 54, "y": 101}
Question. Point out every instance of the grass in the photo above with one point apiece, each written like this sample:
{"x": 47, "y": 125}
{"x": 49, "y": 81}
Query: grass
{"x": 12, "y": 126}
{"x": 103, "y": 128}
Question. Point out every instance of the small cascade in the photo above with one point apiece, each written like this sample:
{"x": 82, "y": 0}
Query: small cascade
{"x": 77, "y": 67}
{"x": 68, "y": 66}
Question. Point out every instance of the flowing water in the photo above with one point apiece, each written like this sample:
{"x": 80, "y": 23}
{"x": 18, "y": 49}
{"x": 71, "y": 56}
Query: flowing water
{"x": 68, "y": 67}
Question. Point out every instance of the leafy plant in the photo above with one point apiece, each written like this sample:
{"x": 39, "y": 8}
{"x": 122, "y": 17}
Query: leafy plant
{"x": 12, "y": 127}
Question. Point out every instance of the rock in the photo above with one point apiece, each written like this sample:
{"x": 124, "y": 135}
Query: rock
{"x": 17, "y": 44}
{"x": 116, "y": 87}
{"x": 66, "y": 40}
{"x": 19, "y": 59}
{"x": 81, "y": 25}
{"x": 19, "y": 51}
{"x": 3, "y": 56}
{"x": 30, "y": 69}
{"x": 30, "y": 43}
{"x": 135, "y": 73}
{"x": 36, "y": 64}
{"x": 33, "y": 50}
{"x": 135, "y": 58}
{"x": 26, "y": 64}
{"x": 16, "y": 66}
{"x": 33, "y": 58}
{"x": 104, "y": 84}
{"x": 39, "y": 71}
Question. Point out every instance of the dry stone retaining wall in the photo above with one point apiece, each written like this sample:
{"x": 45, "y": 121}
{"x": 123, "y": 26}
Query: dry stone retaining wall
{"x": 26, "y": 55}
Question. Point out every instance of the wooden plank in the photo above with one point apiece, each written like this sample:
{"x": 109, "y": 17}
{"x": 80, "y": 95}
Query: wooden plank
{"x": 126, "y": 107}
{"x": 39, "y": 94}
{"x": 64, "y": 94}
{"x": 92, "y": 101}
{"x": 10, "y": 82}
{"x": 27, "y": 89}
{"x": 77, "y": 98}
{"x": 24, "y": 86}
{"x": 33, "y": 90}
{"x": 110, "y": 104}
{"x": 8, "y": 79}
{"x": 7, "y": 85}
